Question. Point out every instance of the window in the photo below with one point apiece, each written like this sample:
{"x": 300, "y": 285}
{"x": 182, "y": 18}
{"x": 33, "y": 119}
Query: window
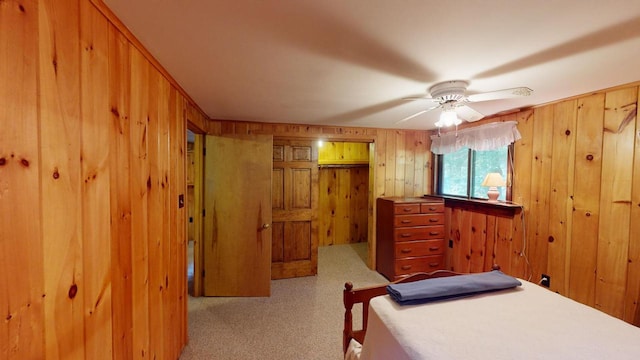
{"x": 461, "y": 173}
{"x": 465, "y": 157}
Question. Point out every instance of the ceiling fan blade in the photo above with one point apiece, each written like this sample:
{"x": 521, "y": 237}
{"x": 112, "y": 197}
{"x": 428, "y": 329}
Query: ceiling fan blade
{"x": 416, "y": 114}
{"x": 467, "y": 113}
{"x": 412, "y": 98}
{"x": 500, "y": 94}
{"x": 412, "y": 116}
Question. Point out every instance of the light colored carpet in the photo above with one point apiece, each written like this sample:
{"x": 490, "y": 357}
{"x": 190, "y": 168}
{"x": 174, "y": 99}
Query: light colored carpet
{"x": 308, "y": 326}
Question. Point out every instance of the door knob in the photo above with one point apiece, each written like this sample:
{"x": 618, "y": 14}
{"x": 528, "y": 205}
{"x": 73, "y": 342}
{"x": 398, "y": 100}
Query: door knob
{"x": 266, "y": 226}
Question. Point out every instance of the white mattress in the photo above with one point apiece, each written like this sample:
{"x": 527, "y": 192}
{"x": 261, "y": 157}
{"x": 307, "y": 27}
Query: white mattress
{"x": 529, "y": 322}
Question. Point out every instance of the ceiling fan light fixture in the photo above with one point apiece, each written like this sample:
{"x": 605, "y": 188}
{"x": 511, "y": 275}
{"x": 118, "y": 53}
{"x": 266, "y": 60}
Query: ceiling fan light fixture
{"x": 448, "y": 117}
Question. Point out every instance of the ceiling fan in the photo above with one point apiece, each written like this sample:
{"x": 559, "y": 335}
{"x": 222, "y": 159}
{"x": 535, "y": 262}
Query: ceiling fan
{"x": 451, "y": 98}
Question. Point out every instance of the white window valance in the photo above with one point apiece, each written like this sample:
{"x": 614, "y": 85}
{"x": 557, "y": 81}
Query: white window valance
{"x": 484, "y": 137}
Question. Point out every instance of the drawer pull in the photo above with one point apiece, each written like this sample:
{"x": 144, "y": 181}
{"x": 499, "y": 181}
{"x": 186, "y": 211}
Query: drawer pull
{"x": 434, "y": 264}
{"x": 434, "y": 232}
{"x": 434, "y": 220}
{"x": 406, "y": 221}
{"x": 407, "y": 209}
{"x": 406, "y": 267}
{"x": 432, "y": 209}
{"x": 434, "y": 248}
{"x": 405, "y": 235}
{"x": 405, "y": 251}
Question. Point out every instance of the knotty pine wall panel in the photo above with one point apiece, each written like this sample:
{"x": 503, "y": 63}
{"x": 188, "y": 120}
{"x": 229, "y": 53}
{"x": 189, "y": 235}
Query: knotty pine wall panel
{"x": 521, "y": 190}
{"x": 157, "y": 113}
{"x": 504, "y": 244}
{"x": 586, "y": 203}
{"x": 537, "y": 222}
{"x": 178, "y": 261}
{"x": 139, "y": 110}
{"x": 21, "y": 241}
{"x": 327, "y": 204}
{"x": 577, "y": 176}
{"x": 561, "y": 199}
{"x": 120, "y": 194}
{"x": 92, "y": 161}
{"x": 60, "y": 142}
{"x": 615, "y": 199}
{"x": 632, "y": 293}
{"x": 342, "y": 209}
{"x": 96, "y": 178}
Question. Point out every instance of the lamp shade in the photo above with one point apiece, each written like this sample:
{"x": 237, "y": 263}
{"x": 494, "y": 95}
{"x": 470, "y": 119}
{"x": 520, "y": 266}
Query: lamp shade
{"x": 493, "y": 179}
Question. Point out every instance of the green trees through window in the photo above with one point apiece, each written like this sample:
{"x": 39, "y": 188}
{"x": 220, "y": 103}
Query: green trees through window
{"x": 461, "y": 173}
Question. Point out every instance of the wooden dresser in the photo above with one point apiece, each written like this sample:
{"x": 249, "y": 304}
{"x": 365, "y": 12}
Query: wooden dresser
{"x": 409, "y": 236}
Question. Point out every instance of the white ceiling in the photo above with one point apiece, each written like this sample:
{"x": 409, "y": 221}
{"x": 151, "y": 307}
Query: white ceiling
{"x": 350, "y": 62}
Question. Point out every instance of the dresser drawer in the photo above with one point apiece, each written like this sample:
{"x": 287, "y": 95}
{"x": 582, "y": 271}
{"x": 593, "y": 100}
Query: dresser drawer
{"x": 399, "y": 209}
{"x": 418, "y": 220}
{"x": 419, "y": 264}
{"x": 419, "y": 233}
{"x": 431, "y": 208}
{"x": 419, "y": 248}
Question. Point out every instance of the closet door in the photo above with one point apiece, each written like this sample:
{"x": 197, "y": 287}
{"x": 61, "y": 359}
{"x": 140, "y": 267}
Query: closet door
{"x": 237, "y": 221}
{"x": 295, "y": 209}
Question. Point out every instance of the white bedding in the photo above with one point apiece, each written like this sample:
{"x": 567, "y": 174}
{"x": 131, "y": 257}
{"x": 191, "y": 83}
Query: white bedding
{"x": 529, "y": 322}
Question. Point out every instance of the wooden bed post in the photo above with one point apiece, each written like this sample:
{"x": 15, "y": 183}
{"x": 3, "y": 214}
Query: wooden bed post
{"x": 347, "y": 298}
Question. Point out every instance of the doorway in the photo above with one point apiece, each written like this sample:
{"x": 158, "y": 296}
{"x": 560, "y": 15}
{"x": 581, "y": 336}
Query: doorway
{"x": 194, "y": 206}
{"x": 345, "y": 204}
{"x": 344, "y": 200}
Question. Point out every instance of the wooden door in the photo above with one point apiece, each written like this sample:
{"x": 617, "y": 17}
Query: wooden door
{"x": 237, "y": 231}
{"x": 295, "y": 209}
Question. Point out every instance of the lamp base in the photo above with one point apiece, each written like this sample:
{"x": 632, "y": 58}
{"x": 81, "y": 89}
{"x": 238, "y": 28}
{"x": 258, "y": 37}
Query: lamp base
{"x": 493, "y": 194}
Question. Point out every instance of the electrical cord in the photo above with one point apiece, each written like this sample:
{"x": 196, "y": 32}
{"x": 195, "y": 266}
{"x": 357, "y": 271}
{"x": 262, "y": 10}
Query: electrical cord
{"x": 523, "y": 252}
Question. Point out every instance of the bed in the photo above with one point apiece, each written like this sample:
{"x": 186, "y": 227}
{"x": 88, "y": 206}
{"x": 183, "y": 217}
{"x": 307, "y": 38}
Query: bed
{"x": 521, "y": 322}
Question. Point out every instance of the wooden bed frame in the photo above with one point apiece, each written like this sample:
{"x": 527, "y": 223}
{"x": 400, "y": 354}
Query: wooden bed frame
{"x": 362, "y": 296}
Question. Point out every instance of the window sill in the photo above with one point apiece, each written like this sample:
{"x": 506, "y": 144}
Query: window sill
{"x": 504, "y": 209}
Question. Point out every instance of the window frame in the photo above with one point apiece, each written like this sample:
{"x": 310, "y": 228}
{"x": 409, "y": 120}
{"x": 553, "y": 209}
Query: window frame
{"x": 437, "y": 180}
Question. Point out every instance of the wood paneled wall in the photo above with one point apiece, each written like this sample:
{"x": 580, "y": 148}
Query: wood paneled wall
{"x": 480, "y": 239}
{"x": 92, "y": 161}
{"x": 577, "y": 174}
{"x": 343, "y": 205}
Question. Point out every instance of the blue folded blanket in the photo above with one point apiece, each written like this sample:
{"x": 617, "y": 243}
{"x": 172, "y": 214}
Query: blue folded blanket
{"x": 422, "y": 291}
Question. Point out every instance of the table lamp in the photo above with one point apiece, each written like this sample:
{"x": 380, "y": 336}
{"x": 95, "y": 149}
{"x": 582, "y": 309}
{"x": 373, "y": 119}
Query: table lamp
{"x": 493, "y": 180}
